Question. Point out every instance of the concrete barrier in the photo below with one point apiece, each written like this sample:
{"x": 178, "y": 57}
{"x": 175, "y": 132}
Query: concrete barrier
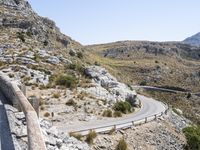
{"x": 13, "y": 93}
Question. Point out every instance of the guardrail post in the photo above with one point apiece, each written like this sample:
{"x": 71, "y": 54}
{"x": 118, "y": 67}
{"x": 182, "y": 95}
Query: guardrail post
{"x": 35, "y": 103}
{"x": 115, "y": 127}
{"x": 133, "y": 123}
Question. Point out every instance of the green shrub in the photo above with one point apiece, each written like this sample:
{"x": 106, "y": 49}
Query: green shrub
{"x": 143, "y": 83}
{"x": 21, "y": 36}
{"x": 72, "y": 66}
{"x": 90, "y": 137}
{"x": 117, "y": 114}
{"x": 123, "y": 107}
{"x": 72, "y": 53}
{"x": 71, "y": 102}
{"x": 122, "y": 145}
{"x": 28, "y": 33}
{"x": 45, "y": 43}
{"x": 80, "y": 55}
{"x": 67, "y": 81}
{"x": 107, "y": 113}
{"x": 193, "y": 137}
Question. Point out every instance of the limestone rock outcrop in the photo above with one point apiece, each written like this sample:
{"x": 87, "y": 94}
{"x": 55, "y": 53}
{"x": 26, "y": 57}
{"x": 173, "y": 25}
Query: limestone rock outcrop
{"x": 108, "y": 85}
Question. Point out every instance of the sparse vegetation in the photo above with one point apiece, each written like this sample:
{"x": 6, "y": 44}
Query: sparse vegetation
{"x": 175, "y": 110}
{"x": 80, "y": 55}
{"x": 76, "y": 135}
{"x": 72, "y": 53}
{"x": 56, "y": 95}
{"x": 11, "y": 75}
{"x": 107, "y": 113}
{"x": 112, "y": 131}
{"x": 45, "y": 43}
{"x": 117, "y": 114}
{"x": 68, "y": 81}
{"x": 90, "y": 137}
{"x": 21, "y": 36}
{"x": 29, "y": 34}
{"x": 122, "y": 145}
{"x": 47, "y": 114}
{"x": 143, "y": 83}
{"x": 193, "y": 137}
{"x": 71, "y": 102}
{"x": 123, "y": 107}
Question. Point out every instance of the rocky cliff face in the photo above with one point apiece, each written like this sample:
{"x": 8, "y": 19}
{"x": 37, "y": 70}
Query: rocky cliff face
{"x": 26, "y": 38}
{"x": 18, "y": 17}
{"x": 193, "y": 40}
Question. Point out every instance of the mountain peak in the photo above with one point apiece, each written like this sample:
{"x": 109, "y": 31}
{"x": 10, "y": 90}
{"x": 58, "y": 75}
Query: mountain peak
{"x": 10, "y": 2}
{"x": 193, "y": 40}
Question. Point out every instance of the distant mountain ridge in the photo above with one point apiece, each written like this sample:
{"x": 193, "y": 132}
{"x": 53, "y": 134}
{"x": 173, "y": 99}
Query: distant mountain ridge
{"x": 193, "y": 40}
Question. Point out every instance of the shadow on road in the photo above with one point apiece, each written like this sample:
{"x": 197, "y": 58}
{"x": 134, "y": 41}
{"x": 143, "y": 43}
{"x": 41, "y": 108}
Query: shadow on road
{"x": 6, "y": 142}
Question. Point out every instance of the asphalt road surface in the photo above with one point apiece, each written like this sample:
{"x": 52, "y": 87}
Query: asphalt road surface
{"x": 150, "y": 107}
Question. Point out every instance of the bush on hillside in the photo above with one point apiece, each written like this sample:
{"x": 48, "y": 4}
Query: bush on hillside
{"x": 143, "y": 83}
{"x": 67, "y": 81}
{"x": 193, "y": 137}
{"x": 21, "y": 36}
{"x": 122, "y": 145}
{"x": 107, "y": 113}
{"x": 80, "y": 55}
{"x": 90, "y": 137}
{"x": 117, "y": 114}
{"x": 123, "y": 107}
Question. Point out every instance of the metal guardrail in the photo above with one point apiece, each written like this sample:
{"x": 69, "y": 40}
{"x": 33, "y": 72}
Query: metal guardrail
{"x": 107, "y": 128}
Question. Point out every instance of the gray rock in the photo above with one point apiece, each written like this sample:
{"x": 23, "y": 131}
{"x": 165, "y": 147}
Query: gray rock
{"x": 29, "y": 54}
{"x": 24, "y": 60}
{"x": 43, "y": 53}
{"x": 53, "y": 60}
{"x": 104, "y": 80}
{"x": 55, "y": 140}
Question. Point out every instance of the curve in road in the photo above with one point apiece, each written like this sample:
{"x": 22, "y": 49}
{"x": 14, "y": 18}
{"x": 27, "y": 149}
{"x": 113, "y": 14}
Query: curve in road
{"x": 150, "y": 107}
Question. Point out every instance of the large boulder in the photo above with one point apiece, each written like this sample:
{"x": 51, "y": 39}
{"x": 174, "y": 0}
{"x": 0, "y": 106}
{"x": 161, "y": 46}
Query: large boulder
{"x": 106, "y": 81}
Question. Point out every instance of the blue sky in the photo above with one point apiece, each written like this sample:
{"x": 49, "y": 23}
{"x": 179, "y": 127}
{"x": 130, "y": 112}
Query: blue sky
{"x": 102, "y": 21}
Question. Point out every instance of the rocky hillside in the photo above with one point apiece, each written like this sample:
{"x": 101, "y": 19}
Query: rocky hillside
{"x": 27, "y": 38}
{"x": 155, "y": 63}
{"x": 31, "y": 46}
{"x": 193, "y": 40}
{"x": 168, "y": 64}
{"x": 128, "y": 49}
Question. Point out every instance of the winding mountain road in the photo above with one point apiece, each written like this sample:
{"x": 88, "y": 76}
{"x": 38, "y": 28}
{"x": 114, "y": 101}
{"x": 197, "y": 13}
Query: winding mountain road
{"x": 150, "y": 108}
